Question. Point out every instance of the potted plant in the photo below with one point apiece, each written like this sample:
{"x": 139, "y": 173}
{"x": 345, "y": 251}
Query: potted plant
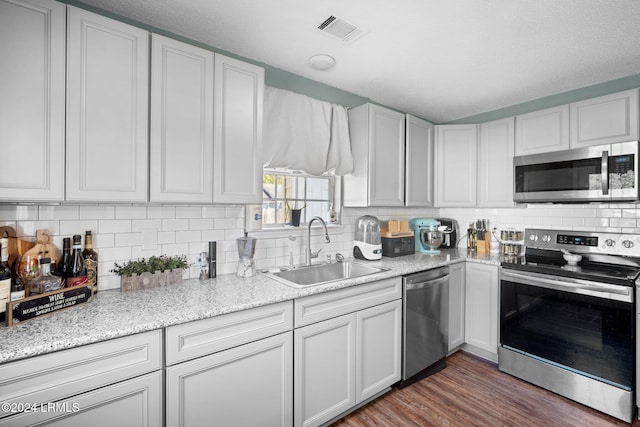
{"x": 156, "y": 271}
{"x": 295, "y": 216}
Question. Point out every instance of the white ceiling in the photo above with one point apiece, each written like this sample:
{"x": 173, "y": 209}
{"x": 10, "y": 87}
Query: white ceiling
{"x": 438, "y": 59}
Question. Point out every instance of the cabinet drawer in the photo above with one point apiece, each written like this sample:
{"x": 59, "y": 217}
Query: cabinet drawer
{"x": 54, "y": 376}
{"x": 136, "y": 403}
{"x": 320, "y": 307}
{"x": 195, "y": 339}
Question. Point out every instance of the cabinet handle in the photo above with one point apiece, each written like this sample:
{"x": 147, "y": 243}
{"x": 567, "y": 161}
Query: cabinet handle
{"x": 605, "y": 172}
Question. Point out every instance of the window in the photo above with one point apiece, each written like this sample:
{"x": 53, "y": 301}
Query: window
{"x": 283, "y": 190}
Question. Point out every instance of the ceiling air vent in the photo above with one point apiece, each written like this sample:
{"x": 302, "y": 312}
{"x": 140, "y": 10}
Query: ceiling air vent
{"x": 340, "y": 29}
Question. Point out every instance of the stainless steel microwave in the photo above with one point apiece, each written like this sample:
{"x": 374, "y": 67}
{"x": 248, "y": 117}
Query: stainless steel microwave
{"x": 600, "y": 173}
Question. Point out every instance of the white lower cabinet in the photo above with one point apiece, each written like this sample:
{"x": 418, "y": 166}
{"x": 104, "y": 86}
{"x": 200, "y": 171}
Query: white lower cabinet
{"x": 456, "y": 305}
{"x": 115, "y": 382}
{"x": 136, "y": 403}
{"x": 249, "y": 385}
{"x": 232, "y": 370}
{"x": 481, "y": 309}
{"x": 324, "y": 375}
{"x": 345, "y": 360}
{"x": 379, "y": 340}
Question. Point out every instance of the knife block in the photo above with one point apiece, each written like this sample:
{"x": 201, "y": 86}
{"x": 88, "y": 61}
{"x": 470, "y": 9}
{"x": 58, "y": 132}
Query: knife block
{"x": 484, "y": 246}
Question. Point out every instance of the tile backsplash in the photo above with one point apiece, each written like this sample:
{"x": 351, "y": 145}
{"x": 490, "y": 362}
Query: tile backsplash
{"x": 123, "y": 233}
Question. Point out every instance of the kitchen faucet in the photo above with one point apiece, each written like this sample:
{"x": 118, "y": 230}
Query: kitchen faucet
{"x": 310, "y": 254}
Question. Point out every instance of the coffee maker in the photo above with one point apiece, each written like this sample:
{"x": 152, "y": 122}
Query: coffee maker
{"x": 450, "y": 238}
{"x": 246, "y": 251}
{"x": 367, "y": 243}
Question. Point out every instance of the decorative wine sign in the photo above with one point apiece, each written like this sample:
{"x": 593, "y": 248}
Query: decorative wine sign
{"x": 50, "y": 302}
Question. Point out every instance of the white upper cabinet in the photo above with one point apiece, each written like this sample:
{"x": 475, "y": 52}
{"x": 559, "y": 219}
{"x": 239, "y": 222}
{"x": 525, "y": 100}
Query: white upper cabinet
{"x": 107, "y": 109}
{"x": 237, "y": 155}
{"x": 495, "y": 163}
{"x": 542, "y": 131}
{"x": 181, "y": 148}
{"x": 418, "y": 163}
{"x": 456, "y": 165}
{"x": 377, "y": 144}
{"x": 605, "y": 120}
{"x": 32, "y": 47}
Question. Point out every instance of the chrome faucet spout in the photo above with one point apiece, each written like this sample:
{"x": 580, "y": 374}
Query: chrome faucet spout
{"x": 310, "y": 254}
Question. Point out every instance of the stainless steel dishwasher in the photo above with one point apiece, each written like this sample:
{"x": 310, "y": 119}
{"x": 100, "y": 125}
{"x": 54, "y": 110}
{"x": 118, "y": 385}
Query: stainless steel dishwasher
{"x": 425, "y": 324}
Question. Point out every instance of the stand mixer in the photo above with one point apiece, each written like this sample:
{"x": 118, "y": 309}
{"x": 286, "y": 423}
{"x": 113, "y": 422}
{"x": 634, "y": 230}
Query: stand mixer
{"x": 428, "y": 235}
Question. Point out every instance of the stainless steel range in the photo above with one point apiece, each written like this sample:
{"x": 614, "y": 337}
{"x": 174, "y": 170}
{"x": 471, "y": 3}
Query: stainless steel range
{"x": 570, "y": 327}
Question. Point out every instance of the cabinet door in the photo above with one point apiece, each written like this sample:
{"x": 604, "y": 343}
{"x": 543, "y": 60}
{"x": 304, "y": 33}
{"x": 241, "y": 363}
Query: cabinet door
{"x": 386, "y": 157}
{"x": 495, "y": 165}
{"x": 249, "y": 385}
{"x": 324, "y": 370}
{"x": 107, "y": 109}
{"x": 237, "y": 131}
{"x": 378, "y": 348}
{"x": 605, "y": 120}
{"x": 481, "y": 308}
{"x": 456, "y": 165}
{"x": 181, "y": 122}
{"x": 542, "y": 131}
{"x": 419, "y": 163}
{"x": 456, "y": 305}
{"x": 32, "y": 47}
{"x": 136, "y": 402}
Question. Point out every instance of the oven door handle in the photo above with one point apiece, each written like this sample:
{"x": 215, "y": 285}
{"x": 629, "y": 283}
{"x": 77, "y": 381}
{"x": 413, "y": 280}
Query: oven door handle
{"x": 579, "y": 286}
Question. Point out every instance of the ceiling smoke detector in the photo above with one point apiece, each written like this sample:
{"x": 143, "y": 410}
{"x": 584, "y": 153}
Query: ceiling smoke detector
{"x": 340, "y": 29}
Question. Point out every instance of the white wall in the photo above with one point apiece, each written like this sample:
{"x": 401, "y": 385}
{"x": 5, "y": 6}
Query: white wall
{"x": 130, "y": 232}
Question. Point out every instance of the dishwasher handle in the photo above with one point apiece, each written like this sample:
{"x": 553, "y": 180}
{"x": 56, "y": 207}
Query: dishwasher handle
{"x": 429, "y": 283}
{"x": 426, "y": 276}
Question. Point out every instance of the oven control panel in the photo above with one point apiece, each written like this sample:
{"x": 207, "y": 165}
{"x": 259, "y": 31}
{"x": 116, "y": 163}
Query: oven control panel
{"x": 570, "y": 239}
{"x": 584, "y": 241}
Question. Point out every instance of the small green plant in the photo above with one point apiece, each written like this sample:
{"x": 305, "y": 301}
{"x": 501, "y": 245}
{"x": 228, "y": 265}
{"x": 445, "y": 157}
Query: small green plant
{"x": 161, "y": 263}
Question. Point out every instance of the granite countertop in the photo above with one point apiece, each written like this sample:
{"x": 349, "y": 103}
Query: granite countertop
{"x": 112, "y": 314}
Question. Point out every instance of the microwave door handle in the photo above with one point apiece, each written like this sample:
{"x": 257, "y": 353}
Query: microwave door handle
{"x": 605, "y": 173}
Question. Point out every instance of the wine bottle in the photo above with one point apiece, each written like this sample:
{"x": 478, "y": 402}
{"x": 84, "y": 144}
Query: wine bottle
{"x": 5, "y": 277}
{"x": 76, "y": 274}
{"x": 91, "y": 260}
{"x": 63, "y": 266}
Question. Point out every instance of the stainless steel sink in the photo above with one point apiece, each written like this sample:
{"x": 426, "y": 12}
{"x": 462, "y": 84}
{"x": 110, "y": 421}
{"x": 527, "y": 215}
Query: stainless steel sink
{"x": 305, "y": 276}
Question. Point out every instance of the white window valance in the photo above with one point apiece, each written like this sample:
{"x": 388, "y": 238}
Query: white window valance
{"x": 305, "y": 134}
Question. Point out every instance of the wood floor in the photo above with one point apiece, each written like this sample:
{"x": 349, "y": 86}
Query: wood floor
{"x": 472, "y": 392}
